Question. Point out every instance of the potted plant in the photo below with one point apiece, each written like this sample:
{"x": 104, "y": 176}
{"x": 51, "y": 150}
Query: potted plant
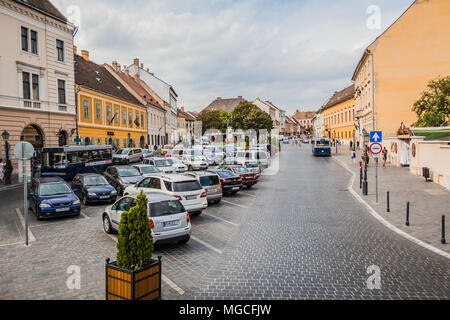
{"x": 134, "y": 275}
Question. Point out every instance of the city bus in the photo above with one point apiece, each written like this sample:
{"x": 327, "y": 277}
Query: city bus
{"x": 67, "y": 161}
{"x": 321, "y": 146}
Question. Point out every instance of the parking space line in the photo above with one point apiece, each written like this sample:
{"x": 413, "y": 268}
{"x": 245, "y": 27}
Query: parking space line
{"x": 11, "y": 244}
{"x": 171, "y": 284}
{"x": 247, "y": 194}
{"x": 235, "y": 204}
{"x": 31, "y": 237}
{"x": 206, "y": 244}
{"x": 84, "y": 215}
{"x": 210, "y": 215}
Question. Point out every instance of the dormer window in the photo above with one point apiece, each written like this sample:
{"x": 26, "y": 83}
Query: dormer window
{"x": 99, "y": 80}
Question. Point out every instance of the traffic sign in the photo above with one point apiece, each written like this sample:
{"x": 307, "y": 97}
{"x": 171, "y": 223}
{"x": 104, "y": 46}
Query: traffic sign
{"x": 376, "y": 148}
{"x": 24, "y": 150}
{"x": 77, "y": 139}
{"x": 376, "y": 136}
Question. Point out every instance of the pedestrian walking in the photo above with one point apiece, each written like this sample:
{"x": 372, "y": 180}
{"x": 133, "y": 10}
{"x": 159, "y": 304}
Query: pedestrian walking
{"x": 353, "y": 156}
{"x": 385, "y": 152}
{"x": 351, "y": 144}
{"x": 2, "y": 173}
{"x": 357, "y": 144}
{"x": 8, "y": 169}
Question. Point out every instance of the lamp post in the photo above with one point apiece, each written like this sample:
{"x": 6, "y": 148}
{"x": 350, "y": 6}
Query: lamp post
{"x": 5, "y": 136}
{"x": 129, "y": 140}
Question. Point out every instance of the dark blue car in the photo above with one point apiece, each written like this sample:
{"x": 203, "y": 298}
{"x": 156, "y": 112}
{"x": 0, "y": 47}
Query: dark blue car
{"x": 93, "y": 187}
{"x": 52, "y": 197}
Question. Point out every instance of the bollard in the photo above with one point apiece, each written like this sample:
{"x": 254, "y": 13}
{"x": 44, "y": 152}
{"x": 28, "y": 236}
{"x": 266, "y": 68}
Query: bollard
{"x": 360, "y": 177}
{"x": 387, "y": 208}
{"x": 365, "y": 185}
{"x": 407, "y": 213}
{"x": 443, "y": 230}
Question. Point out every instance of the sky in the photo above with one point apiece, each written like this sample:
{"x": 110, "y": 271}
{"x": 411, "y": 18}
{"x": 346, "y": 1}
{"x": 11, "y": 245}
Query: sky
{"x": 294, "y": 53}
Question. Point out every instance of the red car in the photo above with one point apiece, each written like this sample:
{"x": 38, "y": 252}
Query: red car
{"x": 248, "y": 177}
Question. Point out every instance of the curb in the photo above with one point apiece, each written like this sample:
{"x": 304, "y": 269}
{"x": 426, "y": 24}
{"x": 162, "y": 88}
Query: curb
{"x": 11, "y": 186}
{"x": 384, "y": 221}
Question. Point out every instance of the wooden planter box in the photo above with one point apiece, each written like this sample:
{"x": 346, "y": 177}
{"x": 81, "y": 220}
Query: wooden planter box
{"x": 142, "y": 284}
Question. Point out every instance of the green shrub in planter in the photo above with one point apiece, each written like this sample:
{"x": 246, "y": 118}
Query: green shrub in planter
{"x": 135, "y": 242}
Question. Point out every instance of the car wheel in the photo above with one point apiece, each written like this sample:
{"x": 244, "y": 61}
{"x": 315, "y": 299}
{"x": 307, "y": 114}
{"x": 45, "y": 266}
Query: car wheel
{"x": 36, "y": 212}
{"x": 249, "y": 187}
{"x": 127, "y": 162}
{"x": 185, "y": 240}
{"x": 107, "y": 224}
{"x": 191, "y": 168}
{"x": 85, "y": 201}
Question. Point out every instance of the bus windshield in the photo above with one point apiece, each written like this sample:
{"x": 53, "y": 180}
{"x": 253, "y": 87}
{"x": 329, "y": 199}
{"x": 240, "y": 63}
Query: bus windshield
{"x": 53, "y": 159}
{"x": 322, "y": 143}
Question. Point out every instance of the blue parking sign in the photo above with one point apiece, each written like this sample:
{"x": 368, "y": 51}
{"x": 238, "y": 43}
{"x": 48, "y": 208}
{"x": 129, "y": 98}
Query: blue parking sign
{"x": 376, "y": 136}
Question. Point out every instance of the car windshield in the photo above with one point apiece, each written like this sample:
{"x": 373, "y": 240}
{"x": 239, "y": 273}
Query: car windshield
{"x": 123, "y": 151}
{"x": 226, "y": 174}
{"x": 167, "y": 147}
{"x": 241, "y": 170}
{"x": 150, "y": 169}
{"x": 186, "y": 186}
{"x": 162, "y": 163}
{"x": 173, "y": 161}
{"x": 52, "y": 189}
{"x": 95, "y": 181}
{"x": 251, "y": 165}
{"x": 128, "y": 171}
{"x": 262, "y": 155}
{"x": 165, "y": 208}
{"x": 209, "y": 180}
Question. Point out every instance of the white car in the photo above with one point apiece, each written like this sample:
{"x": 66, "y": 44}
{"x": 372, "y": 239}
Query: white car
{"x": 187, "y": 189}
{"x": 161, "y": 163}
{"x": 168, "y": 219}
{"x": 195, "y": 162}
{"x": 178, "y": 166}
{"x": 147, "y": 170}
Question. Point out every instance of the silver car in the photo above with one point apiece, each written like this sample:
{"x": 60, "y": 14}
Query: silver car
{"x": 128, "y": 155}
{"x": 161, "y": 163}
{"x": 169, "y": 221}
{"x": 210, "y": 181}
{"x": 148, "y": 170}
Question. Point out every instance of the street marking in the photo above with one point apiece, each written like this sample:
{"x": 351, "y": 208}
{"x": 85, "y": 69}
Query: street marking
{"x": 31, "y": 237}
{"x": 110, "y": 236}
{"x": 10, "y": 244}
{"x": 172, "y": 285}
{"x": 247, "y": 194}
{"x": 11, "y": 187}
{"x": 84, "y": 215}
{"x": 235, "y": 204}
{"x": 206, "y": 245}
{"x": 384, "y": 221}
{"x": 210, "y": 215}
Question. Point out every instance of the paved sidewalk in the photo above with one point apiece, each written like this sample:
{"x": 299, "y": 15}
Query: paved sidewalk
{"x": 428, "y": 200}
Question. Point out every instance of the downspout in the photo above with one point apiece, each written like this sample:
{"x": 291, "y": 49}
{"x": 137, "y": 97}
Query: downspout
{"x": 373, "y": 90}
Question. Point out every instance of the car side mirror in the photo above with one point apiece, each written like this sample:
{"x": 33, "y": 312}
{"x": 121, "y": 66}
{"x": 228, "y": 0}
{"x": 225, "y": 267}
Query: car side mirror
{"x": 32, "y": 194}
{"x": 76, "y": 190}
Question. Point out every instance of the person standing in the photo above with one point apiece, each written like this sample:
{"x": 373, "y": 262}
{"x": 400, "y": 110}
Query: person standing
{"x": 384, "y": 156}
{"x": 353, "y": 156}
{"x": 351, "y": 145}
{"x": 1, "y": 171}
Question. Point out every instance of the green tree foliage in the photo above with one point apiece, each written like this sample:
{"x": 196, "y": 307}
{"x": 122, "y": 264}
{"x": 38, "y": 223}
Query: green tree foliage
{"x": 214, "y": 119}
{"x": 135, "y": 242}
{"x": 248, "y": 116}
{"x": 433, "y": 108}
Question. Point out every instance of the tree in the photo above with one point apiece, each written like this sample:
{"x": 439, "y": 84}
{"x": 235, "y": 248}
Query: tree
{"x": 135, "y": 242}
{"x": 214, "y": 119}
{"x": 433, "y": 108}
{"x": 248, "y": 116}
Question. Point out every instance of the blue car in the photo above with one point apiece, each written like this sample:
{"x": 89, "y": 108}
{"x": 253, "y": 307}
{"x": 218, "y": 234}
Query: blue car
{"x": 93, "y": 187}
{"x": 52, "y": 197}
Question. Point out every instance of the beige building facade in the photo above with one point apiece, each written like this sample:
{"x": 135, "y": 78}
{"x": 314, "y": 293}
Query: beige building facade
{"x": 37, "y": 98}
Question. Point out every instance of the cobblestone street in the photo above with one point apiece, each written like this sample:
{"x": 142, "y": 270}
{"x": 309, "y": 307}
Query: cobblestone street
{"x": 296, "y": 235}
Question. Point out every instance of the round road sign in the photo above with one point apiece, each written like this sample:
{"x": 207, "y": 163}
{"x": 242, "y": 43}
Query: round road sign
{"x": 24, "y": 150}
{"x": 376, "y": 148}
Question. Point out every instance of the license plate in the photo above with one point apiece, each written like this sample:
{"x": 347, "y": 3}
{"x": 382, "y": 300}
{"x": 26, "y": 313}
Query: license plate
{"x": 171, "y": 223}
{"x": 191, "y": 197}
{"x": 212, "y": 190}
{"x": 104, "y": 197}
{"x": 235, "y": 188}
{"x": 62, "y": 209}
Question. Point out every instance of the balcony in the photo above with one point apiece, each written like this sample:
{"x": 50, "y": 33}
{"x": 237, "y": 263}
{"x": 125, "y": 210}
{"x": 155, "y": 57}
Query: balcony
{"x": 32, "y": 104}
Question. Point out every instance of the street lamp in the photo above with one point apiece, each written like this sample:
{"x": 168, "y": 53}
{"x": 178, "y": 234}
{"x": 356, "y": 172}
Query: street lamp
{"x": 5, "y": 136}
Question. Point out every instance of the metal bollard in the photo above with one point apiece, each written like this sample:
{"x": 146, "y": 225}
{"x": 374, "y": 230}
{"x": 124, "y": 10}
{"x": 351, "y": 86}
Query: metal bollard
{"x": 388, "y": 209}
{"x": 360, "y": 177}
{"x": 407, "y": 213}
{"x": 443, "y": 230}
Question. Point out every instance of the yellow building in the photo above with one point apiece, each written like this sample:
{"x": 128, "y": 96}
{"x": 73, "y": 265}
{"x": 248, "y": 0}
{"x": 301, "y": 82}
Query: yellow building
{"x": 185, "y": 125}
{"x": 338, "y": 116}
{"x": 107, "y": 112}
{"x": 397, "y": 66}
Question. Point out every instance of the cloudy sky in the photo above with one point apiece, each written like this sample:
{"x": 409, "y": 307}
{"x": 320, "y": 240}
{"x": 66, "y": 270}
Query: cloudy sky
{"x": 295, "y": 53}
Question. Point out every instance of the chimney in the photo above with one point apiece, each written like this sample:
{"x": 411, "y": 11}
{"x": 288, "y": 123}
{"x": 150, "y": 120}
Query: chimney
{"x": 182, "y": 108}
{"x": 74, "y": 49}
{"x": 219, "y": 98}
{"x": 136, "y": 62}
{"x": 148, "y": 70}
{"x": 115, "y": 66}
{"x": 142, "y": 66}
{"x": 85, "y": 54}
{"x": 239, "y": 97}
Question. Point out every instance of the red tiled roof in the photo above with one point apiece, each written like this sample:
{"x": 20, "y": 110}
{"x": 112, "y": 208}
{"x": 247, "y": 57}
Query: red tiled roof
{"x": 45, "y": 7}
{"x": 225, "y": 104}
{"x": 340, "y": 96}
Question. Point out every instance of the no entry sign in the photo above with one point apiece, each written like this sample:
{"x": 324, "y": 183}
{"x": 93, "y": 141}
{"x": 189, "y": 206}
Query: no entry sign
{"x": 376, "y": 148}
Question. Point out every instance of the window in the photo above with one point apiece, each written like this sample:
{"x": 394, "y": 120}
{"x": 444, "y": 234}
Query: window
{"x": 86, "y": 109}
{"x": 130, "y": 118}
{"x": 99, "y": 141}
{"x": 61, "y": 92}
{"x": 98, "y": 111}
{"x": 33, "y": 38}
{"x": 24, "y": 37}
{"x": 142, "y": 120}
{"x": 108, "y": 113}
{"x": 124, "y": 116}
{"x": 137, "y": 119}
{"x": 116, "y": 115}
{"x": 26, "y": 85}
{"x": 35, "y": 83}
{"x": 60, "y": 50}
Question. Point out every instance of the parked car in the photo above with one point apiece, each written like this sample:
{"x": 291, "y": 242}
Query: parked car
{"x": 194, "y": 162}
{"x": 178, "y": 166}
{"x": 252, "y": 166}
{"x": 261, "y": 157}
{"x": 52, "y": 197}
{"x": 93, "y": 187}
{"x": 210, "y": 181}
{"x": 122, "y": 177}
{"x": 169, "y": 221}
{"x": 166, "y": 148}
{"x": 128, "y": 155}
{"x": 162, "y": 164}
{"x": 249, "y": 178}
{"x": 214, "y": 155}
{"x": 188, "y": 190}
{"x": 147, "y": 153}
{"x": 231, "y": 183}
{"x": 147, "y": 170}
{"x": 285, "y": 140}
{"x": 305, "y": 139}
